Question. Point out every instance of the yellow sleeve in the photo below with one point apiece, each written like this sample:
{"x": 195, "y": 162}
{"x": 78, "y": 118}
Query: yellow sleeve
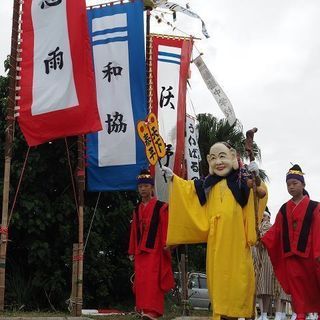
{"x": 250, "y": 216}
{"x": 188, "y": 222}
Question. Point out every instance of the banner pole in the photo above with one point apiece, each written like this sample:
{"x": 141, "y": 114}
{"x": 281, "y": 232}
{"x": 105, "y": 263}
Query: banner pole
{"x": 148, "y": 57}
{"x": 8, "y": 146}
{"x": 81, "y": 187}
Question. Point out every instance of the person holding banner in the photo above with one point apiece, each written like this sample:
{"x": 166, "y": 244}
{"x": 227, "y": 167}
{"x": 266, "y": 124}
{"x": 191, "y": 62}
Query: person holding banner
{"x": 293, "y": 244}
{"x": 152, "y": 260}
{"x": 220, "y": 212}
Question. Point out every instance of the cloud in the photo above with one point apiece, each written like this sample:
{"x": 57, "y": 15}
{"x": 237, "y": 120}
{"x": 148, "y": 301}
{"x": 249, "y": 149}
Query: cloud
{"x": 265, "y": 55}
{"x": 6, "y": 28}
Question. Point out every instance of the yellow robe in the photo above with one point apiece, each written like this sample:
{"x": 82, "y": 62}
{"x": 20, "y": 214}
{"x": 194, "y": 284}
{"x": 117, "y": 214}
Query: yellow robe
{"x": 229, "y": 231}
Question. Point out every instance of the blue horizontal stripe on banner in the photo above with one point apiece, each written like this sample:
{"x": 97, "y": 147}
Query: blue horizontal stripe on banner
{"x": 104, "y": 41}
{"x": 169, "y": 61}
{"x": 168, "y": 54}
{"x": 112, "y": 30}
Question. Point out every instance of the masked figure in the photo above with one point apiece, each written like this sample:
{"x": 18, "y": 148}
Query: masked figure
{"x": 219, "y": 211}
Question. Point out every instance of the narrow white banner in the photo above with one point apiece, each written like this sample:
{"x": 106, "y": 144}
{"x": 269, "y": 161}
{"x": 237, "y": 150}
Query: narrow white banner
{"x": 217, "y": 92}
{"x": 192, "y": 152}
{"x": 168, "y": 92}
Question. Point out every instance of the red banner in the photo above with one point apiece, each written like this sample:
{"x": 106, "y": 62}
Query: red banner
{"x": 58, "y": 94}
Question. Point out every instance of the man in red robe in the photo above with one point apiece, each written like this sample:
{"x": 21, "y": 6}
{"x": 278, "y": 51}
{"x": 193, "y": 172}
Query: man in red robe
{"x": 152, "y": 260}
{"x": 293, "y": 244}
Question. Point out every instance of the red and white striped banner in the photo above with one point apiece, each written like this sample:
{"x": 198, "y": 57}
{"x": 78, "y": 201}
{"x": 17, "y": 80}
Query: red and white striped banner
{"x": 58, "y": 94}
{"x": 170, "y": 68}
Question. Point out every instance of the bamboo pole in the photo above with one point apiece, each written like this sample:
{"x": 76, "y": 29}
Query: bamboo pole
{"x": 73, "y": 298}
{"x": 148, "y": 59}
{"x": 184, "y": 285}
{"x": 8, "y": 147}
{"x": 81, "y": 187}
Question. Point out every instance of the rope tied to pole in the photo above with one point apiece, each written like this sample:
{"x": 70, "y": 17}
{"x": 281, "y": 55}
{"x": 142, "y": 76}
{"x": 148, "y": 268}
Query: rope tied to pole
{"x": 4, "y": 230}
{"x": 19, "y": 184}
{"x": 77, "y": 257}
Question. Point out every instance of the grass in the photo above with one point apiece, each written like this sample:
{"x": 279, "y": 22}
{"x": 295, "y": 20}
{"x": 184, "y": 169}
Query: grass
{"x": 169, "y": 314}
{"x": 172, "y": 310}
{"x": 31, "y": 314}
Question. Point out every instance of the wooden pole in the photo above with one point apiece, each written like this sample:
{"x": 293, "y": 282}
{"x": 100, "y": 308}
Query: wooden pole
{"x": 249, "y": 149}
{"x": 73, "y": 298}
{"x": 148, "y": 59}
{"x": 81, "y": 187}
{"x": 184, "y": 286}
{"x": 8, "y": 147}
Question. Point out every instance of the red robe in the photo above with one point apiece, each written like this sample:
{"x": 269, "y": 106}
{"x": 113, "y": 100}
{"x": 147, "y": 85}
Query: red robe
{"x": 293, "y": 244}
{"x": 152, "y": 263}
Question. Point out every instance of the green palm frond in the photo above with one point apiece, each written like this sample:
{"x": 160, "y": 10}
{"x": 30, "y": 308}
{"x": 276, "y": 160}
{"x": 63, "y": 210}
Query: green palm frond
{"x": 212, "y": 130}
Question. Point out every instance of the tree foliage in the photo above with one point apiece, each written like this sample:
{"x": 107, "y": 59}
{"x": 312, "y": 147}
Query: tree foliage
{"x": 44, "y": 223}
{"x": 212, "y": 130}
{"x": 44, "y": 226}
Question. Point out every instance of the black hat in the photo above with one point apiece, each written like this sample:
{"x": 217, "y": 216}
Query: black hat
{"x": 295, "y": 173}
{"x": 145, "y": 177}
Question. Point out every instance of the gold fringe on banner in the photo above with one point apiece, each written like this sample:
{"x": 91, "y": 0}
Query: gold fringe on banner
{"x": 167, "y": 36}
{"x": 110, "y": 4}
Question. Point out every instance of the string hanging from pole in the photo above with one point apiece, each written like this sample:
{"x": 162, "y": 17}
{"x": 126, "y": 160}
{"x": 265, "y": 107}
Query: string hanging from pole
{"x": 191, "y": 103}
{"x": 91, "y": 222}
{"x": 19, "y": 184}
{"x": 72, "y": 177}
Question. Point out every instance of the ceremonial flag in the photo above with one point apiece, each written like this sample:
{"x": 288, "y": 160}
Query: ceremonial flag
{"x": 192, "y": 152}
{"x": 170, "y": 69}
{"x": 217, "y": 92}
{"x": 116, "y": 154}
{"x": 172, "y": 6}
{"x": 170, "y": 66}
{"x": 57, "y": 96}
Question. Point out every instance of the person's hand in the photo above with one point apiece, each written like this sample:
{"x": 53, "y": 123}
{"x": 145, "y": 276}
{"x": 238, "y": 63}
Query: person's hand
{"x": 253, "y": 167}
{"x": 131, "y": 257}
{"x": 167, "y": 172}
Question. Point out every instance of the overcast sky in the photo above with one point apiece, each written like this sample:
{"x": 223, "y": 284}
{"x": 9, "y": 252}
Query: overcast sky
{"x": 266, "y": 56}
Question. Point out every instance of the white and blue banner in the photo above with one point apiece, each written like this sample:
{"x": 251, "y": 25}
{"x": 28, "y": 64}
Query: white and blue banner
{"x": 116, "y": 154}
